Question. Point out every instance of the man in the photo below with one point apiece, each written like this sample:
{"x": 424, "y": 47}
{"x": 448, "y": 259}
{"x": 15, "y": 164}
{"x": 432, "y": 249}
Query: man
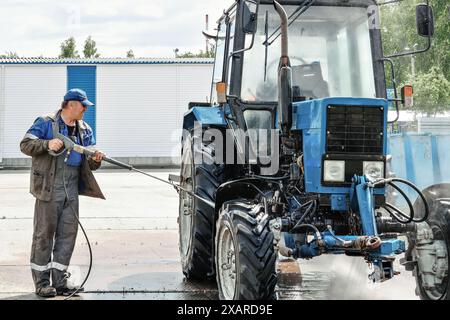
{"x": 57, "y": 178}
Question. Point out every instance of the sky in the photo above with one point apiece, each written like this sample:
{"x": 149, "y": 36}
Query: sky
{"x": 151, "y": 28}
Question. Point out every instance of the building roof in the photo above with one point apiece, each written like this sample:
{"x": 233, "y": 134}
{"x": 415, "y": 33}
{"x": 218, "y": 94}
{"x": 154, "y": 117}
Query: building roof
{"x": 41, "y": 60}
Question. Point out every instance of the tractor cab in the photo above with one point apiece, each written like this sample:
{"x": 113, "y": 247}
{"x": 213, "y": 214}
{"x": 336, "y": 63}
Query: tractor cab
{"x": 333, "y": 50}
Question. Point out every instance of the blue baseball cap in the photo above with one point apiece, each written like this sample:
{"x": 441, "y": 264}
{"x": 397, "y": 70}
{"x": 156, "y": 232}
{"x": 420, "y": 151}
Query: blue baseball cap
{"x": 78, "y": 95}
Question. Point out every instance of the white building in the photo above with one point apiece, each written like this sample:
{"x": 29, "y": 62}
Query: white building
{"x": 139, "y": 103}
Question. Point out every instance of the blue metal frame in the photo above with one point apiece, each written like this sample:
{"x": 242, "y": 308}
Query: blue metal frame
{"x": 310, "y": 117}
{"x": 362, "y": 202}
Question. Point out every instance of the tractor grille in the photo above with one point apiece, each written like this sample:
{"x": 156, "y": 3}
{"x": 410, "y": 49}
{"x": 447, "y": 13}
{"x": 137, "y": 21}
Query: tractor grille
{"x": 355, "y": 129}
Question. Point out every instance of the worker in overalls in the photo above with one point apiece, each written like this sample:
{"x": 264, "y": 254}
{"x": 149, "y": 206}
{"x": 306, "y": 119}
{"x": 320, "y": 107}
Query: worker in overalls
{"x": 57, "y": 178}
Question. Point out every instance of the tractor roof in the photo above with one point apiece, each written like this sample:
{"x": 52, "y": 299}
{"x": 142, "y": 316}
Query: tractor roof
{"x": 349, "y": 3}
{"x": 343, "y": 3}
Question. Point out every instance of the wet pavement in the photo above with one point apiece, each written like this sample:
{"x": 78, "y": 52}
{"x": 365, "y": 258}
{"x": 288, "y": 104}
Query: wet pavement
{"x": 134, "y": 238}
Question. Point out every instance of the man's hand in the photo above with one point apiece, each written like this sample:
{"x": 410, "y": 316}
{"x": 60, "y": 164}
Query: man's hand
{"x": 55, "y": 144}
{"x": 98, "y": 156}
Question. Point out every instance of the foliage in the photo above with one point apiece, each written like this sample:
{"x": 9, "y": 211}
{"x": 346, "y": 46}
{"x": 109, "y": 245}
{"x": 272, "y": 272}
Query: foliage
{"x": 68, "y": 49}
{"x": 429, "y": 72}
{"x": 431, "y": 92}
{"x": 9, "y": 54}
{"x": 210, "y": 53}
{"x": 90, "y": 50}
{"x": 130, "y": 54}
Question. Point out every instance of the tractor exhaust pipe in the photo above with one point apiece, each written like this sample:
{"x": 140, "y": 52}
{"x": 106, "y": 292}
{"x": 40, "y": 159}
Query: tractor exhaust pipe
{"x": 284, "y": 76}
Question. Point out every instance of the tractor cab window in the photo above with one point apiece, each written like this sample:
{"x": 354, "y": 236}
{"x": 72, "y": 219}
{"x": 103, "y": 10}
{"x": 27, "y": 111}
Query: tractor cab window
{"x": 259, "y": 125}
{"x": 219, "y": 61}
{"x": 221, "y": 56}
{"x": 329, "y": 50}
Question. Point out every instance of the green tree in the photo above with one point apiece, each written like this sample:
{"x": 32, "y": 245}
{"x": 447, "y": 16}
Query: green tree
{"x": 9, "y": 54}
{"x": 429, "y": 72}
{"x": 68, "y": 49}
{"x": 201, "y": 54}
{"x": 90, "y": 50}
{"x": 431, "y": 92}
{"x": 130, "y": 54}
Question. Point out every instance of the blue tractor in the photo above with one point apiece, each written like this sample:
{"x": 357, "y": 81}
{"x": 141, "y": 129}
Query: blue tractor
{"x": 290, "y": 155}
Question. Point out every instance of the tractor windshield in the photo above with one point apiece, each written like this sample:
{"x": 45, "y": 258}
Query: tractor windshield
{"x": 329, "y": 50}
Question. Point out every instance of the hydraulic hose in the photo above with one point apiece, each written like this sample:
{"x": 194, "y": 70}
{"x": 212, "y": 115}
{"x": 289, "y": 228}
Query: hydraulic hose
{"x": 411, "y": 208}
{"x": 270, "y": 178}
{"x": 307, "y": 225}
{"x": 388, "y": 207}
{"x": 308, "y": 211}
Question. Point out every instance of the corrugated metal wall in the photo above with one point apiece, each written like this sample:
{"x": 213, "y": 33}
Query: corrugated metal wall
{"x": 421, "y": 158}
{"x": 140, "y": 107}
{"x": 30, "y": 91}
{"x": 434, "y": 125}
{"x": 2, "y": 109}
{"x": 84, "y": 77}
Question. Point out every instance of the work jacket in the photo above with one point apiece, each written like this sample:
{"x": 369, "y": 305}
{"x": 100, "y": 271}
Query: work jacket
{"x": 43, "y": 165}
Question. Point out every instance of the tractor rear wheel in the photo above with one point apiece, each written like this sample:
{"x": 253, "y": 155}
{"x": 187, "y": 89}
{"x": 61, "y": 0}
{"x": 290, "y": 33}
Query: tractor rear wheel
{"x": 196, "y": 218}
{"x": 245, "y": 256}
{"x": 434, "y": 285}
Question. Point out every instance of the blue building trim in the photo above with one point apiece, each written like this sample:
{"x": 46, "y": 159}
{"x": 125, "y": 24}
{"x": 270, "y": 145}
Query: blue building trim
{"x": 84, "y": 77}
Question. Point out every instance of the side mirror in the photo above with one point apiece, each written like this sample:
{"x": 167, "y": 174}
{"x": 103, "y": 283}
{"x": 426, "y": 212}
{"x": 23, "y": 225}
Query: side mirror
{"x": 424, "y": 20}
{"x": 249, "y": 16}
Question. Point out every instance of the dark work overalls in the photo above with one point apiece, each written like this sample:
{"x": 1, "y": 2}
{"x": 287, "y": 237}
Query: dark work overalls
{"x": 55, "y": 227}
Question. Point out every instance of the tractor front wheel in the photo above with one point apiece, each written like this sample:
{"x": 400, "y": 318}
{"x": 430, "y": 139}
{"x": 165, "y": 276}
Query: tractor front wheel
{"x": 245, "y": 257}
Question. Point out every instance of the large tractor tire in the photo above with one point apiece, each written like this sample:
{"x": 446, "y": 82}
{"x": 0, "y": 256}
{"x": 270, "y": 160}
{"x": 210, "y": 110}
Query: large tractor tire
{"x": 196, "y": 218}
{"x": 438, "y": 198}
{"x": 245, "y": 255}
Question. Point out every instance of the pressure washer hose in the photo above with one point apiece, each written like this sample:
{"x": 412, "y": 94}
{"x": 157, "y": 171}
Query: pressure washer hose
{"x": 131, "y": 168}
{"x": 81, "y": 226}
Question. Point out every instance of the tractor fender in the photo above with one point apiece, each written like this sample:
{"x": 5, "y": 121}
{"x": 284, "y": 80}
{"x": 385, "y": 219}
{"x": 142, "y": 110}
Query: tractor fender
{"x": 204, "y": 116}
{"x": 238, "y": 189}
{"x": 433, "y": 193}
{"x": 242, "y": 189}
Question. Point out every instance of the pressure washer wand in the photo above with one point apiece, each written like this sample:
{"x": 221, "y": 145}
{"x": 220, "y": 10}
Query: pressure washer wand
{"x": 70, "y": 145}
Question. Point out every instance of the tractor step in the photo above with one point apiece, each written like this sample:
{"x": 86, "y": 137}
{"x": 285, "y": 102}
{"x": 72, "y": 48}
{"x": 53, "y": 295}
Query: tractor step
{"x": 174, "y": 178}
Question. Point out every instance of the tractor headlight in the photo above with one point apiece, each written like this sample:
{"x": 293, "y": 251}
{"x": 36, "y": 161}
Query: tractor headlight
{"x": 373, "y": 169}
{"x": 334, "y": 170}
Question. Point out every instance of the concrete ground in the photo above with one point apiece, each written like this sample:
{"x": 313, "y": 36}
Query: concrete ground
{"x": 134, "y": 237}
